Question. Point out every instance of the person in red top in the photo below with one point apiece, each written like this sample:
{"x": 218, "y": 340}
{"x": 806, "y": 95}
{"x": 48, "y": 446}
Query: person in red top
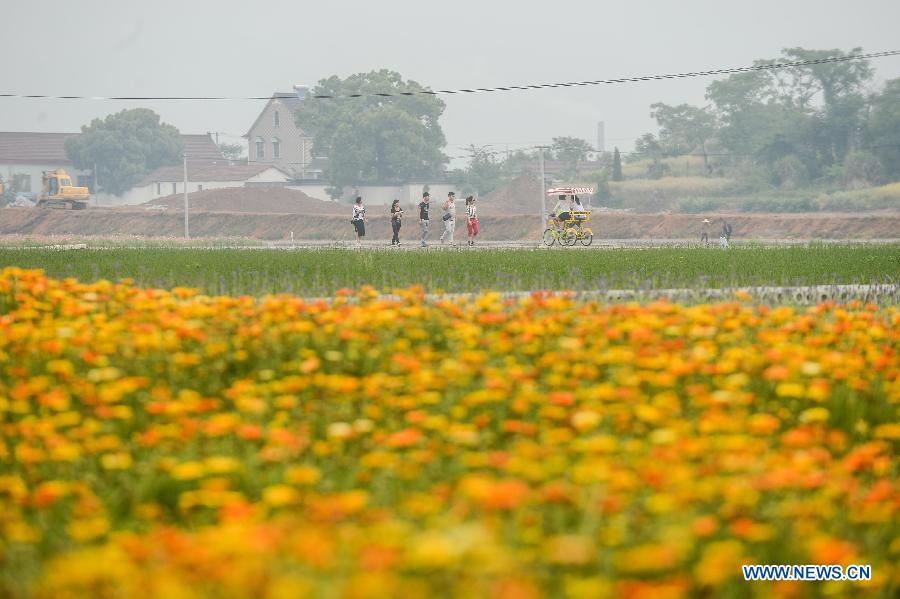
{"x": 471, "y": 219}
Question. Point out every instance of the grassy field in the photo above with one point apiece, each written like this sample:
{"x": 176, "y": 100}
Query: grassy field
{"x": 322, "y": 272}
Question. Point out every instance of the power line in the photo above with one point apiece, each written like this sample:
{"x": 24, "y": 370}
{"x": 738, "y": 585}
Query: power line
{"x": 636, "y": 79}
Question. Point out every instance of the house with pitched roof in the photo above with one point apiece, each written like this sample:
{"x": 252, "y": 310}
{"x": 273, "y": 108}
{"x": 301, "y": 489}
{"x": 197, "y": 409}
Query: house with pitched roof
{"x": 24, "y": 155}
{"x": 275, "y": 139}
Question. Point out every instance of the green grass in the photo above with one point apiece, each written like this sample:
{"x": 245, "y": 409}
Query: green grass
{"x": 323, "y": 271}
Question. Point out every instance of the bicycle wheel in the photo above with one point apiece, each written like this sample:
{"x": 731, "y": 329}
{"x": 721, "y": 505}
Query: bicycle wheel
{"x": 587, "y": 238}
{"x": 549, "y": 237}
{"x": 569, "y": 237}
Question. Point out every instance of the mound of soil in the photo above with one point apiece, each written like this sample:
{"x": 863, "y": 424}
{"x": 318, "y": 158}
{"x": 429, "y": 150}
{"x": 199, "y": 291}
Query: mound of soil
{"x": 521, "y": 196}
{"x": 258, "y": 200}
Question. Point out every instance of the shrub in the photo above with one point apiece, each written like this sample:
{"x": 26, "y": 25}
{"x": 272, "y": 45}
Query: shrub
{"x": 862, "y": 169}
{"x": 872, "y": 198}
{"x": 790, "y": 172}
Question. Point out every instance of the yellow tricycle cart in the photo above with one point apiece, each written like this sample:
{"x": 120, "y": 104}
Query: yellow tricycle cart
{"x": 567, "y": 220}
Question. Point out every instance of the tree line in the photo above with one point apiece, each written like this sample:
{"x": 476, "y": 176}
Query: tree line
{"x": 789, "y": 127}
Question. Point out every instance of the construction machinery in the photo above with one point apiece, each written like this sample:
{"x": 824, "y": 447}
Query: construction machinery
{"x": 57, "y": 191}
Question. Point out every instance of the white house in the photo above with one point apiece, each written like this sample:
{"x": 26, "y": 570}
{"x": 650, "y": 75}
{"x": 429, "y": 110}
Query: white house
{"x": 24, "y": 155}
{"x": 275, "y": 139}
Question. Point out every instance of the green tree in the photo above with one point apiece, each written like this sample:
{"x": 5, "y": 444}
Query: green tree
{"x": 570, "y": 150}
{"x": 617, "y": 165}
{"x": 862, "y": 169}
{"x": 648, "y": 146}
{"x": 372, "y": 138}
{"x": 125, "y": 147}
{"x": 814, "y": 112}
{"x": 484, "y": 173}
{"x": 883, "y": 128}
{"x": 683, "y": 128}
{"x": 233, "y": 152}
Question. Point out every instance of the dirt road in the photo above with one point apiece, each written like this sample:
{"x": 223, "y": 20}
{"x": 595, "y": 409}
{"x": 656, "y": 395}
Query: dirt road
{"x": 322, "y": 227}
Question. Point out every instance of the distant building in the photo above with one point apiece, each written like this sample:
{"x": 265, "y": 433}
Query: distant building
{"x": 275, "y": 139}
{"x": 24, "y": 155}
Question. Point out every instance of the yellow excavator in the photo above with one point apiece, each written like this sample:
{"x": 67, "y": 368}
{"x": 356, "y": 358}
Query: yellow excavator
{"x": 57, "y": 191}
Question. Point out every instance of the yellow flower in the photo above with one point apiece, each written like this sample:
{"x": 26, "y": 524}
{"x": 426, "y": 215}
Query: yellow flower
{"x": 302, "y": 475}
{"x": 222, "y": 464}
{"x": 280, "y": 495}
{"x": 116, "y": 461}
{"x": 188, "y": 471}
{"x": 88, "y": 529}
{"x": 585, "y": 420}
{"x": 814, "y": 415}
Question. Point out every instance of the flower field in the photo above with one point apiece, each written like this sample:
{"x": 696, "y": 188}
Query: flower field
{"x": 160, "y": 443}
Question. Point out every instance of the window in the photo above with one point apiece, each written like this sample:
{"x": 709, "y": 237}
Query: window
{"x": 159, "y": 189}
{"x": 21, "y": 182}
{"x": 174, "y": 187}
{"x": 276, "y": 147}
{"x": 260, "y": 148}
{"x": 199, "y": 187}
{"x": 276, "y": 119}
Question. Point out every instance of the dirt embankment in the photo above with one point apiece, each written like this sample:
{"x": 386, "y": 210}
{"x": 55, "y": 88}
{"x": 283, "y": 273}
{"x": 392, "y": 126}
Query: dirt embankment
{"x": 263, "y": 200}
{"x": 112, "y": 222}
{"x": 521, "y": 196}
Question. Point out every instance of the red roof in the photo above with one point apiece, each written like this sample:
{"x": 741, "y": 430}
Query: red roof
{"x": 25, "y": 147}
{"x": 207, "y": 172}
{"x": 201, "y": 147}
{"x": 20, "y": 147}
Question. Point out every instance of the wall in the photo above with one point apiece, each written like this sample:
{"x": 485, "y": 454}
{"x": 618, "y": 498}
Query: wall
{"x": 146, "y": 193}
{"x": 34, "y": 171}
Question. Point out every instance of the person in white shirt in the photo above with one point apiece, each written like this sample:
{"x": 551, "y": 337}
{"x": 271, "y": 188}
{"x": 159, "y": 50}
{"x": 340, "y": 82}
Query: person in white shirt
{"x": 359, "y": 221}
{"x": 471, "y": 219}
{"x": 561, "y": 211}
{"x": 449, "y": 217}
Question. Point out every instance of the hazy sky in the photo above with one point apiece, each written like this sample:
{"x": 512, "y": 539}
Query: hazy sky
{"x": 227, "y": 48}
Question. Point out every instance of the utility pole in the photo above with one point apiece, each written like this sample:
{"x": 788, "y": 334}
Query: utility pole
{"x": 543, "y": 191}
{"x": 187, "y": 232}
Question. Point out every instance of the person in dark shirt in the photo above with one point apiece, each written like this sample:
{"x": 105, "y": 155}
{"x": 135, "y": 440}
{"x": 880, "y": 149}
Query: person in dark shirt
{"x": 359, "y": 221}
{"x": 396, "y": 218}
{"x": 423, "y": 216}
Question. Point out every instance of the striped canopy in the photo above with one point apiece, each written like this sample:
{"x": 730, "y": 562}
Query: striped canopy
{"x": 558, "y": 191}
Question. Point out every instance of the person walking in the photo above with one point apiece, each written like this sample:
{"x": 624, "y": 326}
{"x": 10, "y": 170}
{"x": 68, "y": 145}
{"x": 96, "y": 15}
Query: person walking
{"x": 449, "y": 217}
{"x": 396, "y": 217}
{"x": 726, "y": 235}
{"x": 359, "y": 221}
{"x": 471, "y": 219}
{"x": 704, "y": 232}
{"x": 423, "y": 217}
